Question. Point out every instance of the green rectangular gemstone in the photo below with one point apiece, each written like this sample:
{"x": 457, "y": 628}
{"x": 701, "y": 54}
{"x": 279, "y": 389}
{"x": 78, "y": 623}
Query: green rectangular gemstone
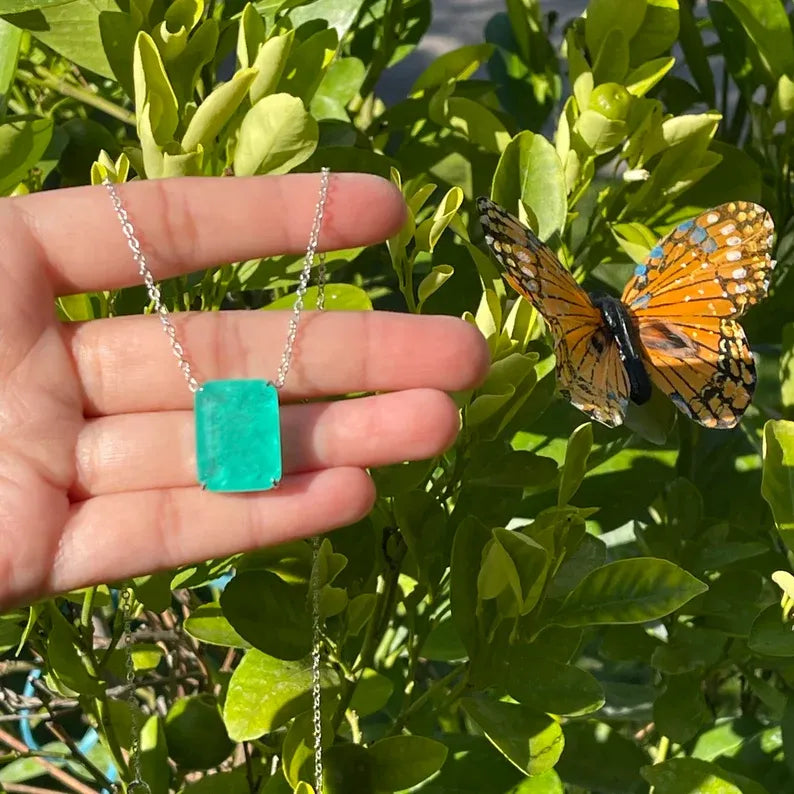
{"x": 238, "y": 435}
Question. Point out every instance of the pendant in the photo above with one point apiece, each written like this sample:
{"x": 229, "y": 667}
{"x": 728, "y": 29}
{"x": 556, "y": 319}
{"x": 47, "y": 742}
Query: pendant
{"x": 238, "y": 435}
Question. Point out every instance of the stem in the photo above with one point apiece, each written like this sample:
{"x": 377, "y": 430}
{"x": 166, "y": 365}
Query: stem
{"x": 661, "y": 755}
{"x": 430, "y": 692}
{"x": 383, "y": 53}
{"x": 86, "y": 97}
{"x": 64, "y": 777}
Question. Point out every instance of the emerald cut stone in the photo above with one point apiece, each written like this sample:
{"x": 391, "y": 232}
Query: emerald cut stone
{"x": 238, "y": 435}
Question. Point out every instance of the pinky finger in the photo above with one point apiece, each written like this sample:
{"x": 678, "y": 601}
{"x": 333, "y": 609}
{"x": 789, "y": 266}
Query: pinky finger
{"x": 117, "y": 536}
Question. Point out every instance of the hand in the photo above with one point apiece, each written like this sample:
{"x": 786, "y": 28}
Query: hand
{"x": 97, "y": 456}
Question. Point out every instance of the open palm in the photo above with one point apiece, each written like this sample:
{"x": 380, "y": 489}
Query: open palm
{"x": 97, "y": 457}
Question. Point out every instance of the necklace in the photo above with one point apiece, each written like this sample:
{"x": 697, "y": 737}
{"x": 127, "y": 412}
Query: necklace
{"x": 249, "y": 462}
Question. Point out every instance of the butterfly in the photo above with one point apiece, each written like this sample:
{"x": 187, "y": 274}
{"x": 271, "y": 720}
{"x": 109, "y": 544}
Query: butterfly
{"x": 674, "y": 326}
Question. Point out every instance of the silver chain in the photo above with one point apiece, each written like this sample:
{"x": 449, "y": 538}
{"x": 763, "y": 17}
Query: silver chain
{"x": 155, "y": 296}
{"x": 185, "y": 366}
{"x": 137, "y": 783}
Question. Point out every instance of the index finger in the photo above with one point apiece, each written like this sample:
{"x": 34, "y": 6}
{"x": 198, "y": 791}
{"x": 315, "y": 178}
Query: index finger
{"x": 192, "y": 223}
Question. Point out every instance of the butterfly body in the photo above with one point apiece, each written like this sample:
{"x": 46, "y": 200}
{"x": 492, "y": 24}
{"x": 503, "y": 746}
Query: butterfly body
{"x": 621, "y": 326}
{"x": 674, "y": 326}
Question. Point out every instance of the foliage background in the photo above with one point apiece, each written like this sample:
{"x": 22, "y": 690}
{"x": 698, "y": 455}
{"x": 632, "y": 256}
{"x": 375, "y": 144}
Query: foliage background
{"x": 548, "y": 607}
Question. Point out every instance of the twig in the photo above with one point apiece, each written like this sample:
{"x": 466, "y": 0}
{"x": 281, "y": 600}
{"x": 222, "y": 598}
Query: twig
{"x": 21, "y": 788}
{"x": 64, "y": 777}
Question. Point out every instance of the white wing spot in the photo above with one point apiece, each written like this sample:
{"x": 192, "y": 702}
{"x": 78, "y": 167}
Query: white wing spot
{"x": 733, "y": 240}
{"x": 712, "y": 217}
{"x": 733, "y": 256}
{"x": 728, "y": 228}
{"x": 740, "y": 272}
{"x": 740, "y": 288}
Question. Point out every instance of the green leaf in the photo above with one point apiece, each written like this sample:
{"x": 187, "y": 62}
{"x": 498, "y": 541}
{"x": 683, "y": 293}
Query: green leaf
{"x": 771, "y": 634}
{"x": 298, "y": 746}
{"x": 695, "y": 53}
{"x": 71, "y": 28}
{"x": 338, "y": 297}
{"x": 603, "y": 16}
{"x": 693, "y": 776}
{"x": 195, "y": 733}
{"x": 642, "y": 79}
{"x": 269, "y": 613}
{"x": 250, "y": 36}
{"x": 768, "y": 27}
{"x": 787, "y": 729}
{"x": 547, "y": 686}
{"x": 635, "y": 239}
{"x": 777, "y": 484}
{"x": 575, "y": 466}
{"x": 337, "y": 14}
{"x": 10, "y": 41}
{"x": 612, "y": 61}
{"x": 629, "y": 591}
{"x": 307, "y": 64}
{"x": 234, "y": 782}
{"x": 22, "y": 144}
{"x": 454, "y": 65}
{"x": 530, "y": 561}
{"x": 782, "y": 107}
{"x": 155, "y": 768}
{"x": 275, "y": 135}
{"x": 401, "y": 762}
{"x": 509, "y": 468}
{"x": 339, "y": 86}
{"x": 371, "y": 694}
{"x": 470, "y": 539}
{"x": 530, "y": 740}
{"x": 476, "y": 123}
{"x": 66, "y": 661}
{"x": 681, "y": 710}
{"x": 598, "y": 758}
{"x": 153, "y": 91}
{"x": 347, "y": 768}
{"x": 186, "y": 69}
{"x": 208, "y": 624}
{"x": 428, "y": 232}
{"x": 658, "y": 32}
{"x": 433, "y": 281}
{"x": 530, "y": 172}
{"x": 271, "y": 60}
{"x": 213, "y": 113}
{"x": 587, "y": 556}
{"x": 265, "y": 693}
{"x": 599, "y": 133}
{"x": 423, "y": 525}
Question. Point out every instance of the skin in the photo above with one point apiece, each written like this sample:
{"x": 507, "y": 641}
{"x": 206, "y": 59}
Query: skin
{"x": 97, "y": 456}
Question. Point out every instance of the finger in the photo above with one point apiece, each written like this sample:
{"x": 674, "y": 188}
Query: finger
{"x": 122, "y": 535}
{"x": 192, "y": 223}
{"x": 125, "y": 364}
{"x": 136, "y": 452}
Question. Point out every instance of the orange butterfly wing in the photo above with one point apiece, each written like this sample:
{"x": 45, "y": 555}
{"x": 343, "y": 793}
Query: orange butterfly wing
{"x": 590, "y": 373}
{"x": 683, "y": 300}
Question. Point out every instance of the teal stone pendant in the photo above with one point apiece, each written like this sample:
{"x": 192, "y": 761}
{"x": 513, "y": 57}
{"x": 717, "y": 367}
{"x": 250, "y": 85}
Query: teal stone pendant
{"x": 238, "y": 435}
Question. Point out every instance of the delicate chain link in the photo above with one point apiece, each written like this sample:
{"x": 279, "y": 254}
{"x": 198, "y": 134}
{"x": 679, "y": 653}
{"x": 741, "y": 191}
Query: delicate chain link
{"x": 184, "y": 365}
{"x": 317, "y": 715}
{"x": 151, "y": 287}
{"x": 137, "y": 783}
{"x": 303, "y": 280}
{"x": 303, "y": 283}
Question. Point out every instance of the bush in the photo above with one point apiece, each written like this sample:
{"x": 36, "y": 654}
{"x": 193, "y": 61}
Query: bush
{"x": 550, "y": 606}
